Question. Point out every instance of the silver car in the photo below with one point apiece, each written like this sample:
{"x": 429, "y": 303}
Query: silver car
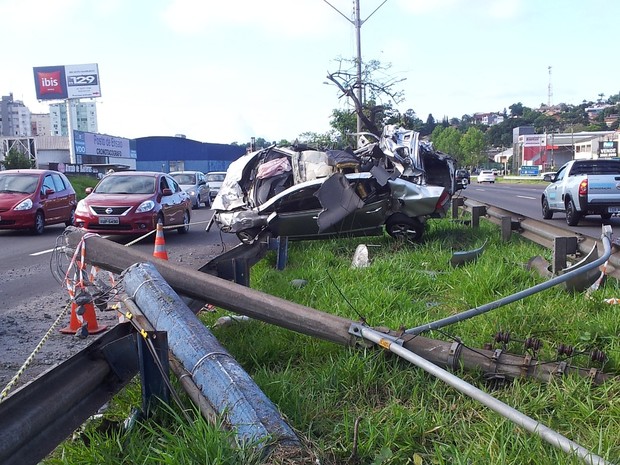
{"x": 195, "y": 184}
{"x": 215, "y": 180}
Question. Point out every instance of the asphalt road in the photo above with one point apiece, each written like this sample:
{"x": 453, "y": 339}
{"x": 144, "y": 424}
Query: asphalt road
{"x": 524, "y": 199}
{"x": 26, "y": 259}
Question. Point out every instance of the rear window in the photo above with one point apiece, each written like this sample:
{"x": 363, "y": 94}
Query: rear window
{"x": 596, "y": 167}
{"x": 216, "y": 177}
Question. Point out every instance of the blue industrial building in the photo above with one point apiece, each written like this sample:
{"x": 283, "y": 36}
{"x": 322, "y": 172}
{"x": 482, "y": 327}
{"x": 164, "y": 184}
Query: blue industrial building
{"x": 163, "y": 153}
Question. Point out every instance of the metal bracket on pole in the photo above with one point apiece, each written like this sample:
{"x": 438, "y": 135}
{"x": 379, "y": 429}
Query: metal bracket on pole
{"x": 154, "y": 375}
{"x": 280, "y": 244}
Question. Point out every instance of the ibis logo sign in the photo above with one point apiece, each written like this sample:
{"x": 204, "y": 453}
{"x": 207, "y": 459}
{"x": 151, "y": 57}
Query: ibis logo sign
{"x": 71, "y": 81}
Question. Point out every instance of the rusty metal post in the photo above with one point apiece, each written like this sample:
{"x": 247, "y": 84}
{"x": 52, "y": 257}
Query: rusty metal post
{"x": 456, "y": 203}
{"x": 476, "y": 212}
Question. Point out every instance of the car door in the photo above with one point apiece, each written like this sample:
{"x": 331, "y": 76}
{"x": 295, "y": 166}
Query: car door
{"x": 65, "y": 197}
{"x": 51, "y": 201}
{"x": 203, "y": 187}
{"x": 171, "y": 206}
{"x": 554, "y": 191}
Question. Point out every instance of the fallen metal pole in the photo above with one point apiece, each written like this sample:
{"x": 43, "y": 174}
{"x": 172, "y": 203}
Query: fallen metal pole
{"x": 228, "y": 388}
{"x": 552, "y": 437}
{"x": 606, "y": 237}
{"x": 204, "y": 287}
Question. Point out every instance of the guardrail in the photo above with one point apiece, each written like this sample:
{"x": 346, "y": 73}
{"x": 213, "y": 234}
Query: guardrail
{"x": 541, "y": 232}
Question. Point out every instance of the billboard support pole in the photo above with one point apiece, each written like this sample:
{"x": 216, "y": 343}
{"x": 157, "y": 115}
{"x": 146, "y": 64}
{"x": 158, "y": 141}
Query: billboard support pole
{"x": 72, "y": 156}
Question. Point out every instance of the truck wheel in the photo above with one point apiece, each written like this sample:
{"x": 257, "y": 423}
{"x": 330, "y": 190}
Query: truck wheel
{"x": 547, "y": 214}
{"x": 572, "y": 215}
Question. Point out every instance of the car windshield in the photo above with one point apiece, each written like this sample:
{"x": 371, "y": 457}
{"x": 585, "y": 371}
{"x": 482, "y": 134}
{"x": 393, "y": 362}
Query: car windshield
{"x": 216, "y": 177}
{"x": 184, "y": 178}
{"x": 18, "y": 183}
{"x": 126, "y": 185}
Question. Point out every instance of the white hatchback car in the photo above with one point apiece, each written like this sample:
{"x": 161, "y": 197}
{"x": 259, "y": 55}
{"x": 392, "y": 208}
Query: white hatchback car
{"x": 486, "y": 176}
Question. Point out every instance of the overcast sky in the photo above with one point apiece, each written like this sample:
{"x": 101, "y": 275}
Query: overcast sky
{"x": 224, "y": 71}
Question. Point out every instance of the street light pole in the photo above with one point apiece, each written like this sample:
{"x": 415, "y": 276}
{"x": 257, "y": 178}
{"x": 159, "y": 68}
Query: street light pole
{"x": 357, "y": 23}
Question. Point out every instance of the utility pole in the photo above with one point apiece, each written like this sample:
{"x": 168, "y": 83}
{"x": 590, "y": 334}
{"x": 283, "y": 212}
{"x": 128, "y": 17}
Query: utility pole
{"x": 357, "y": 23}
{"x": 549, "y": 90}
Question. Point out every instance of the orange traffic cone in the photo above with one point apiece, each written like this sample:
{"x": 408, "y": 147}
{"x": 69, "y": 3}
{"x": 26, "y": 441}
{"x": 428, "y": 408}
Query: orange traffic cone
{"x": 160, "y": 243}
{"x": 83, "y": 319}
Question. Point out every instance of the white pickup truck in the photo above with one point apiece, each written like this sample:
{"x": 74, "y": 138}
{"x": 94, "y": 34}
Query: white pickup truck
{"x": 583, "y": 187}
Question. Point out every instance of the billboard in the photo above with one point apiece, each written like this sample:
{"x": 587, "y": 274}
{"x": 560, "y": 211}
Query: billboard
{"x": 69, "y": 81}
{"x": 89, "y": 143}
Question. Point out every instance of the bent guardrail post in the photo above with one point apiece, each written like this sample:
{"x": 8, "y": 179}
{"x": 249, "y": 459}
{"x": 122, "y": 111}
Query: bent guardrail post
{"x": 606, "y": 237}
{"x": 232, "y": 392}
{"x": 552, "y": 437}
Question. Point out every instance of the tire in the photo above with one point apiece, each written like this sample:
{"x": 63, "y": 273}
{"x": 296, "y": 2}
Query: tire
{"x": 71, "y": 219}
{"x": 196, "y": 206}
{"x": 547, "y": 214}
{"x": 185, "y": 228}
{"x": 572, "y": 215}
{"x": 404, "y": 228}
{"x": 39, "y": 223}
{"x": 605, "y": 216}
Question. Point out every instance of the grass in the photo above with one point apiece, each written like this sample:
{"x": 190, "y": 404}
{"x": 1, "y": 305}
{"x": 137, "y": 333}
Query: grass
{"x": 81, "y": 182}
{"x": 403, "y": 415}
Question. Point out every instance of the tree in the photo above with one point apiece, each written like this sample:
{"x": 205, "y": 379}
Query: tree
{"x": 448, "y": 141}
{"x": 376, "y": 91}
{"x": 17, "y": 160}
{"x": 472, "y": 146}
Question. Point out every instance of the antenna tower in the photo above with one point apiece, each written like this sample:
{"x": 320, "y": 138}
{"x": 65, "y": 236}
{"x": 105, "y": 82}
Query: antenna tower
{"x": 549, "y": 90}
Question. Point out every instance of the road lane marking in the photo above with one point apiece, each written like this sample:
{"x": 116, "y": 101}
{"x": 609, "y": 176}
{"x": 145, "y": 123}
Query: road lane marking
{"x": 525, "y": 197}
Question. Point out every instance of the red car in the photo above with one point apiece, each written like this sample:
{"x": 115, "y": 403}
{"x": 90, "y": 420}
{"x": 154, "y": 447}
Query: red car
{"x": 132, "y": 202}
{"x": 32, "y": 199}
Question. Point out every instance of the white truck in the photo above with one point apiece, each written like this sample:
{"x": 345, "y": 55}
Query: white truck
{"x": 583, "y": 187}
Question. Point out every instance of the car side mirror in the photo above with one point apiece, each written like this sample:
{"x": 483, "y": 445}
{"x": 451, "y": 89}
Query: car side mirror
{"x": 48, "y": 191}
{"x": 167, "y": 191}
{"x": 202, "y": 183}
{"x": 549, "y": 177}
{"x": 88, "y": 190}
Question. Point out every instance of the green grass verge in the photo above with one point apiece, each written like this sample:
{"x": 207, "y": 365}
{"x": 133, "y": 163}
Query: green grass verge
{"x": 404, "y": 415}
{"x": 80, "y": 182}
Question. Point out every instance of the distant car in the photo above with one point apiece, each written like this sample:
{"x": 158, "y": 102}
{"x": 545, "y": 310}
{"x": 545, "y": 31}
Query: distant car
{"x": 32, "y": 199}
{"x": 462, "y": 177}
{"x": 215, "y": 180}
{"x": 195, "y": 184}
{"x": 133, "y": 202}
{"x": 486, "y": 176}
{"x": 548, "y": 176}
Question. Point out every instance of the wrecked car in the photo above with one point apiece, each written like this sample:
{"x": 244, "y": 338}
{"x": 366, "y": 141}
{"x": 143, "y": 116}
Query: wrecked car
{"x": 394, "y": 184}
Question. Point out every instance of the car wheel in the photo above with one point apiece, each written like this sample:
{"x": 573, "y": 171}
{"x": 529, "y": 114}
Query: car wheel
{"x": 71, "y": 219}
{"x": 196, "y": 205}
{"x": 404, "y": 228}
{"x": 547, "y": 214}
{"x": 185, "y": 228}
{"x": 39, "y": 223}
{"x": 572, "y": 215}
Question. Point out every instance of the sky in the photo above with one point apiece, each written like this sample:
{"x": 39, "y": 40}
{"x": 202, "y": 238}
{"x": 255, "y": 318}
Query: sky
{"x": 226, "y": 71}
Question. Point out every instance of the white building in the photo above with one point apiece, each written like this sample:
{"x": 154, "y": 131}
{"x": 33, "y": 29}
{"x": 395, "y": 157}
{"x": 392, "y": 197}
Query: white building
{"x": 40, "y": 124}
{"x": 14, "y": 118}
{"x": 83, "y": 117}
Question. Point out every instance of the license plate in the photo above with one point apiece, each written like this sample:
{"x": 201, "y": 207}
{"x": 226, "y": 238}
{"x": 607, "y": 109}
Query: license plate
{"x": 108, "y": 220}
{"x": 613, "y": 209}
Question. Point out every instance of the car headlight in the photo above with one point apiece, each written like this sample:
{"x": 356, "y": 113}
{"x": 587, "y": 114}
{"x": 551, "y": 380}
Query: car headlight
{"x": 191, "y": 192}
{"x": 81, "y": 207}
{"x": 24, "y": 205}
{"x": 145, "y": 206}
